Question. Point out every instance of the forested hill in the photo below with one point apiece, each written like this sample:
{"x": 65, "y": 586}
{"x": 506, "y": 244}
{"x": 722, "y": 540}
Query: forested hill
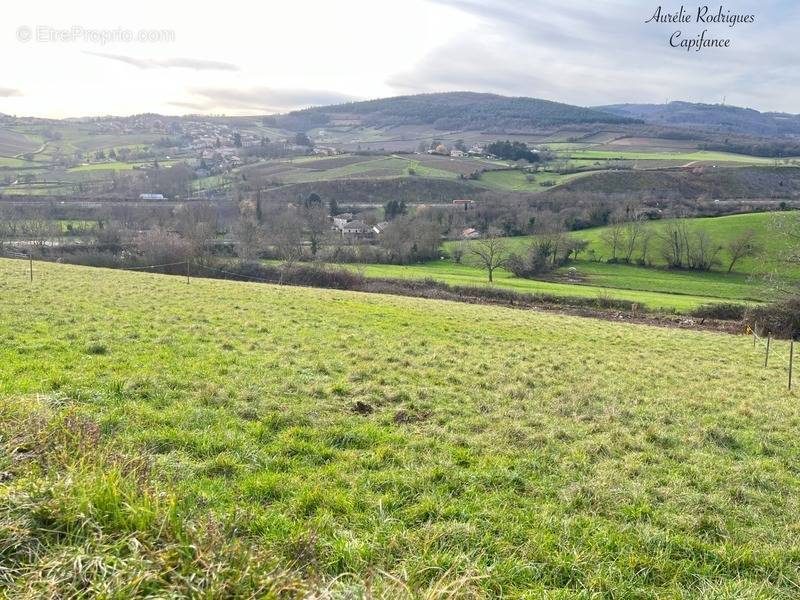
{"x": 712, "y": 117}
{"x": 467, "y": 111}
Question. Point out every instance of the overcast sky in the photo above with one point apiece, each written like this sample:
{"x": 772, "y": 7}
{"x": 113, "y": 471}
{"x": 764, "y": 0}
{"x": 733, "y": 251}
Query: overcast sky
{"x": 64, "y": 59}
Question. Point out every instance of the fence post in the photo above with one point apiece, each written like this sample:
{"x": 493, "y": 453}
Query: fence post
{"x": 766, "y": 355}
{"x": 791, "y": 361}
{"x": 187, "y": 272}
{"x": 755, "y": 328}
{"x": 30, "y": 260}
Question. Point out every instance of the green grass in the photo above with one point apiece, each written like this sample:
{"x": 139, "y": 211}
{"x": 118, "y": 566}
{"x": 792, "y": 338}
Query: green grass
{"x": 734, "y": 286}
{"x": 520, "y": 181}
{"x": 700, "y": 155}
{"x": 745, "y": 283}
{"x": 465, "y": 274}
{"x": 168, "y": 440}
{"x": 721, "y": 230}
{"x": 120, "y": 166}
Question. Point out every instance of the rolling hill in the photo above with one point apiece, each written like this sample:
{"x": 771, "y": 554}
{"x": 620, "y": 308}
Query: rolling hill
{"x": 466, "y": 111}
{"x": 709, "y": 181}
{"x": 712, "y": 117}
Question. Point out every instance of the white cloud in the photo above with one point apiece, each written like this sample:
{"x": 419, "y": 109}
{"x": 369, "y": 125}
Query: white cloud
{"x": 261, "y": 99}
{"x": 283, "y": 55}
{"x": 196, "y": 64}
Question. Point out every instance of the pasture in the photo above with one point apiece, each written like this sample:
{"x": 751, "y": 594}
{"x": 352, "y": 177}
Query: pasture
{"x": 654, "y": 287}
{"x": 222, "y": 438}
{"x": 689, "y": 157}
{"x": 747, "y": 282}
{"x": 721, "y": 229}
{"x": 658, "y": 296}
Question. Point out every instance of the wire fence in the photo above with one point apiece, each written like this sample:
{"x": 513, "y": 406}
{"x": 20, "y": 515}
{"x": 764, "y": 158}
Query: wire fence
{"x": 764, "y": 341}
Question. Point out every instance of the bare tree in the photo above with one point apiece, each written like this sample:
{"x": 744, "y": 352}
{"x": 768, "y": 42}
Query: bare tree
{"x": 702, "y": 251}
{"x": 249, "y": 237}
{"x": 491, "y": 253}
{"x": 742, "y": 246}
{"x": 197, "y": 223}
{"x": 632, "y": 231}
{"x": 613, "y": 237}
{"x": 644, "y": 244}
{"x": 158, "y": 246}
{"x": 39, "y": 231}
{"x": 457, "y": 252}
{"x": 675, "y": 242}
{"x": 785, "y": 257}
{"x": 287, "y": 235}
{"x": 315, "y": 218}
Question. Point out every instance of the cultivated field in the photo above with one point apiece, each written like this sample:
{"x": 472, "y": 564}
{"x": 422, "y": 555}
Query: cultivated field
{"x": 220, "y": 438}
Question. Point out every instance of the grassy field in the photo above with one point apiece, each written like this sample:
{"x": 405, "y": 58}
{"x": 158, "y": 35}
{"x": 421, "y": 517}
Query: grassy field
{"x": 745, "y": 283}
{"x": 519, "y": 181}
{"x": 653, "y": 296}
{"x": 227, "y": 439}
{"x": 721, "y": 230}
{"x": 121, "y": 166}
{"x": 700, "y": 155}
{"x": 655, "y": 287}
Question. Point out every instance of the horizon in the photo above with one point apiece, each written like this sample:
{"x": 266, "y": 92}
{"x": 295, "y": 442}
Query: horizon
{"x": 285, "y": 56}
{"x": 257, "y": 114}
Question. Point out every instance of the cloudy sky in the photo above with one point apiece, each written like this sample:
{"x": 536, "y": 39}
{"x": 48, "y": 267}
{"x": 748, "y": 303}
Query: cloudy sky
{"x": 60, "y": 59}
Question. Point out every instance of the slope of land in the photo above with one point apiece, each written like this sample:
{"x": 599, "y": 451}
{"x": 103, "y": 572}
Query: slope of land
{"x": 654, "y": 287}
{"x": 704, "y": 180}
{"x": 710, "y": 117}
{"x": 451, "y": 111}
{"x": 479, "y": 450}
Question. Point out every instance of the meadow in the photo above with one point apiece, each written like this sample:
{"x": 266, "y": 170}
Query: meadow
{"x": 695, "y": 156}
{"x": 677, "y": 289}
{"x": 721, "y": 230}
{"x": 666, "y": 294}
{"x": 653, "y": 287}
{"x": 224, "y": 439}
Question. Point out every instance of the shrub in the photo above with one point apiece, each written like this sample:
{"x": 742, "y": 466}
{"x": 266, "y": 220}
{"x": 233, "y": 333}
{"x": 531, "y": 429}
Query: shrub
{"x": 781, "y": 319}
{"x": 726, "y": 311}
{"x": 299, "y": 274}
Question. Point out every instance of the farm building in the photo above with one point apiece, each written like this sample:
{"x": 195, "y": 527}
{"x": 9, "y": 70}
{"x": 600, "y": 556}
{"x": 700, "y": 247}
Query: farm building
{"x": 151, "y": 197}
{"x": 341, "y": 220}
{"x": 378, "y": 228}
{"x": 355, "y": 228}
{"x": 470, "y": 233}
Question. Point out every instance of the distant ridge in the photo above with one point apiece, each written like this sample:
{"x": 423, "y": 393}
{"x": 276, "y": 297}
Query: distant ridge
{"x": 453, "y": 111}
{"x": 714, "y": 117}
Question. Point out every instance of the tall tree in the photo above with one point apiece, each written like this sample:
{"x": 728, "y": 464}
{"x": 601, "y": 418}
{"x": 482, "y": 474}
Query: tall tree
{"x": 742, "y": 246}
{"x": 491, "y": 253}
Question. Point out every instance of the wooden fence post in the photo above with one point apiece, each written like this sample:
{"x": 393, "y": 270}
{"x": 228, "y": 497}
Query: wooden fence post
{"x": 187, "y": 272}
{"x": 766, "y": 354}
{"x": 30, "y": 260}
{"x": 791, "y": 361}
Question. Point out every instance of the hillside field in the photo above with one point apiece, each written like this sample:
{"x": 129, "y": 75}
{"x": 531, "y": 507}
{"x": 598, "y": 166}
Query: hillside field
{"x": 653, "y": 287}
{"x": 672, "y": 288}
{"x": 721, "y": 229}
{"x": 224, "y": 439}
